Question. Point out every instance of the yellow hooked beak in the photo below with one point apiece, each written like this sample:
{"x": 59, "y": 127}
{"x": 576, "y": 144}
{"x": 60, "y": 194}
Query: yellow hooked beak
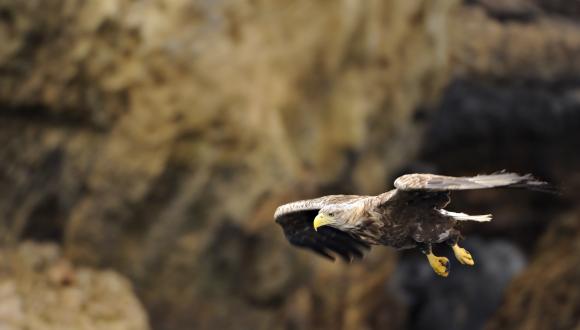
{"x": 321, "y": 220}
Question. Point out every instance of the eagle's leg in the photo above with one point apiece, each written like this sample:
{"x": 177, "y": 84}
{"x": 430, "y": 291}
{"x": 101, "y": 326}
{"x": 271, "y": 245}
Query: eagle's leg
{"x": 461, "y": 254}
{"x": 439, "y": 264}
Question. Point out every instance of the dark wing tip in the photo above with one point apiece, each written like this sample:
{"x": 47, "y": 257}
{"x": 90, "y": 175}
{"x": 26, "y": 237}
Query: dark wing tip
{"x": 327, "y": 241}
{"x": 343, "y": 244}
{"x": 322, "y": 252}
{"x": 529, "y": 182}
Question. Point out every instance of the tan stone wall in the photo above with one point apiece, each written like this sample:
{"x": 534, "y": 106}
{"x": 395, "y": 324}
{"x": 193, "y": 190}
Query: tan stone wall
{"x": 151, "y": 129}
{"x": 158, "y": 137}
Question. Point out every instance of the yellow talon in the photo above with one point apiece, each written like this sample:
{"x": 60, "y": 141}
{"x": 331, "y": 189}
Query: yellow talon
{"x": 463, "y": 255}
{"x": 439, "y": 264}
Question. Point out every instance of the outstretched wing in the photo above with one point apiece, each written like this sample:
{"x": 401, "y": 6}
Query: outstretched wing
{"x": 296, "y": 221}
{"x": 432, "y": 182}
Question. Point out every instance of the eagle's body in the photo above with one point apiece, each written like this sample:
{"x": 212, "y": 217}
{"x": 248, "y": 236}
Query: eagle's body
{"x": 411, "y": 215}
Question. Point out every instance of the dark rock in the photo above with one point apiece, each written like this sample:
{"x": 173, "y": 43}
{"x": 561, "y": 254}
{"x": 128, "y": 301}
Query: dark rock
{"x": 468, "y": 297}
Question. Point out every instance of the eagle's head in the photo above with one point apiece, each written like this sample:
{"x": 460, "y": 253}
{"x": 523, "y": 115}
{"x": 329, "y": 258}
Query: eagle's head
{"x": 332, "y": 215}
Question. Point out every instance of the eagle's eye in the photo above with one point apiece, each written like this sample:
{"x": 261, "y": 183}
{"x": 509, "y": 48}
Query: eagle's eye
{"x": 331, "y": 214}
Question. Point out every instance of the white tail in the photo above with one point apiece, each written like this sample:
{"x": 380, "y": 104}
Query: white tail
{"x": 466, "y": 217}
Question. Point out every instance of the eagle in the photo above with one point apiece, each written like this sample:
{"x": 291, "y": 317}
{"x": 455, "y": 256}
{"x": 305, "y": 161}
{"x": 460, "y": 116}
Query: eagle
{"x": 412, "y": 215}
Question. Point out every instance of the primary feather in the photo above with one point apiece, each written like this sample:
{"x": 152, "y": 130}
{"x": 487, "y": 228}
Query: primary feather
{"x": 432, "y": 182}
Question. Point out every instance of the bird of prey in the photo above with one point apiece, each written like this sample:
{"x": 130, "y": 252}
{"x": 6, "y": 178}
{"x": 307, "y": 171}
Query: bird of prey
{"x": 411, "y": 215}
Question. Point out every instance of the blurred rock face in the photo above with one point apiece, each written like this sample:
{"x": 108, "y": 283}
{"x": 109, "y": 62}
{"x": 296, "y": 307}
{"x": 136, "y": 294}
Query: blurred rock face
{"x": 157, "y": 137}
{"x": 468, "y": 297}
{"x": 546, "y": 295}
{"x": 39, "y": 289}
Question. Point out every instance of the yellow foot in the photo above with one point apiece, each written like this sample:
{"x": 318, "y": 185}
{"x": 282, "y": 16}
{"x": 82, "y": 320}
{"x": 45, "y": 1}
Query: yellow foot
{"x": 439, "y": 264}
{"x": 463, "y": 255}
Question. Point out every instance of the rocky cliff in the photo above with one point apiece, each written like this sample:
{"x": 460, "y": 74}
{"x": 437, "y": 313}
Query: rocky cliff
{"x": 41, "y": 289}
{"x": 156, "y": 138}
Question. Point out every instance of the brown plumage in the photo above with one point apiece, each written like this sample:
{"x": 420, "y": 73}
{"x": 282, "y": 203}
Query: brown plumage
{"x": 411, "y": 215}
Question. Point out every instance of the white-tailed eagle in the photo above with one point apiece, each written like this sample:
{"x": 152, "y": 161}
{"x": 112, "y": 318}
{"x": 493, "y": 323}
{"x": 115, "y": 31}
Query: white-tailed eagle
{"x": 411, "y": 215}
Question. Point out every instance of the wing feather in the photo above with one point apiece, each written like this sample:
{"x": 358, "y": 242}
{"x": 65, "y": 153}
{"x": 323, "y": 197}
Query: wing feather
{"x": 296, "y": 221}
{"x": 432, "y": 182}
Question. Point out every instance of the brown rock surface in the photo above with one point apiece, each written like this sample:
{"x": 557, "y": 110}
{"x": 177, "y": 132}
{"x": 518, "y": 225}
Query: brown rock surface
{"x": 546, "y": 295}
{"x": 144, "y": 135}
{"x": 158, "y": 137}
{"x": 40, "y": 290}
{"x": 484, "y": 48}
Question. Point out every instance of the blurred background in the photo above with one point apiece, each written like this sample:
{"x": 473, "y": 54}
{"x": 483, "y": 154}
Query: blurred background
{"x": 144, "y": 146}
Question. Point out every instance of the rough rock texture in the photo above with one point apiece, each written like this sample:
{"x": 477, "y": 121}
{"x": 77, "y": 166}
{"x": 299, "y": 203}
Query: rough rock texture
{"x": 39, "y": 289}
{"x": 527, "y": 10}
{"x": 157, "y": 137}
{"x": 560, "y": 7}
{"x": 546, "y": 295}
{"x": 488, "y": 49}
{"x": 460, "y": 302}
